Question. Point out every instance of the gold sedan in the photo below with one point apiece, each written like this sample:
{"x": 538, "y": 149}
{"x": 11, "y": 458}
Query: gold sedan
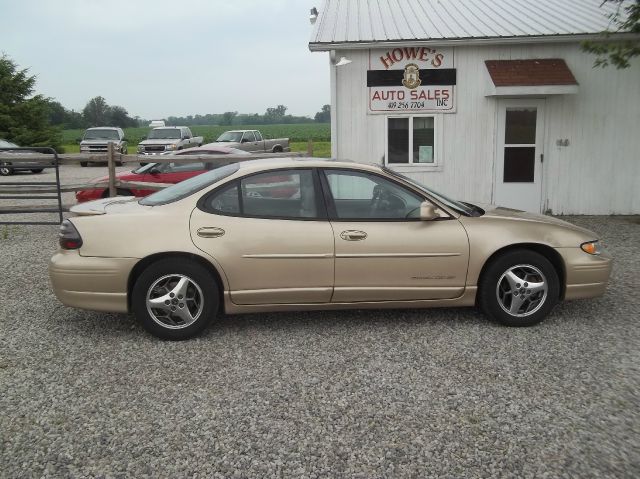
{"x": 292, "y": 234}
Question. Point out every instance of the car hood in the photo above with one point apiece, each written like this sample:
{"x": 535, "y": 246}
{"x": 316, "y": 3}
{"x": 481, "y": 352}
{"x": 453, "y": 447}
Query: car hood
{"x": 98, "y": 142}
{"x": 493, "y": 211}
{"x": 119, "y": 204}
{"x": 160, "y": 141}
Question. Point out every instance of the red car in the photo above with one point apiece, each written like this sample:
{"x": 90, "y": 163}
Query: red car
{"x": 159, "y": 173}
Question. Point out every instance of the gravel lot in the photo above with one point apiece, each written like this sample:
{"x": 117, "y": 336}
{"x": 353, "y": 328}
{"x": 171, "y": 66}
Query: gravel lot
{"x": 419, "y": 393}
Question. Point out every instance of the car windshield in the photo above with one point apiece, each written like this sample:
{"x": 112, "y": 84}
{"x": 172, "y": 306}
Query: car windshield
{"x": 188, "y": 187}
{"x": 7, "y": 144}
{"x": 145, "y": 168}
{"x": 101, "y": 135}
{"x": 235, "y": 136}
{"x": 463, "y": 208}
{"x": 164, "y": 134}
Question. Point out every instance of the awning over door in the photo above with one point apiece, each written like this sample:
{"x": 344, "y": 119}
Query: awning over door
{"x": 541, "y": 77}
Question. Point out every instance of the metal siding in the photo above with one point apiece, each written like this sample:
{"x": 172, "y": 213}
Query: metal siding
{"x": 598, "y": 173}
{"x": 387, "y": 20}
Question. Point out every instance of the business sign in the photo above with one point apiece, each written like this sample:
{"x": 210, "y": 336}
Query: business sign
{"x": 411, "y": 79}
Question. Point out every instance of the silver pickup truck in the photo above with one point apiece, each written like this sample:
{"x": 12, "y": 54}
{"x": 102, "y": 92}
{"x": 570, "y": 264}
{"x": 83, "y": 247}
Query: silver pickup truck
{"x": 252, "y": 141}
{"x": 168, "y": 138}
{"x": 96, "y": 140}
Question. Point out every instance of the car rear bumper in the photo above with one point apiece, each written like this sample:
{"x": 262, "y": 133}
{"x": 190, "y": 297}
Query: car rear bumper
{"x": 98, "y": 284}
{"x": 587, "y": 275}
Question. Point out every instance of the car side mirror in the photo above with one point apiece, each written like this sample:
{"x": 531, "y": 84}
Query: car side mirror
{"x": 428, "y": 211}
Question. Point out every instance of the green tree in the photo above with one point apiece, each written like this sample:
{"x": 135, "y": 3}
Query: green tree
{"x": 24, "y": 117}
{"x": 67, "y": 119}
{"x": 618, "y": 52}
{"x": 275, "y": 115}
{"x": 227, "y": 117}
{"x": 118, "y": 116}
{"x": 324, "y": 115}
{"x": 96, "y": 112}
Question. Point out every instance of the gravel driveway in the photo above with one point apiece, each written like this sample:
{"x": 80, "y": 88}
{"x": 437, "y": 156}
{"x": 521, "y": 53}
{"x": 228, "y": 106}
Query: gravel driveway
{"x": 418, "y": 393}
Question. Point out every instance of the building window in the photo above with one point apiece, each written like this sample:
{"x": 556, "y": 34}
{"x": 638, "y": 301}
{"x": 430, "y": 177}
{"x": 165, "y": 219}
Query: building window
{"x": 411, "y": 140}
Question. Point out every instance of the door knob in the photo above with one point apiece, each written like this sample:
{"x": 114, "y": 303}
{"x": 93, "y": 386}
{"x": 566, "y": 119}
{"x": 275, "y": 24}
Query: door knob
{"x": 210, "y": 232}
{"x": 353, "y": 235}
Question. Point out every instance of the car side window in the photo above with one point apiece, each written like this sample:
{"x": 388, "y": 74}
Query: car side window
{"x": 258, "y": 136}
{"x": 282, "y": 194}
{"x": 184, "y": 167}
{"x": 249, "y": 136}
{"x": 225, "y": 201}
{"x": 358, "y": 195}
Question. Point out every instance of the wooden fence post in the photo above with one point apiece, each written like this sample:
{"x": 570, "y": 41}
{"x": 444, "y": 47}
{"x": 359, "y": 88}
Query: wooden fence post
{"x": 310, "y": 147}
{"x": 111, "y": 162}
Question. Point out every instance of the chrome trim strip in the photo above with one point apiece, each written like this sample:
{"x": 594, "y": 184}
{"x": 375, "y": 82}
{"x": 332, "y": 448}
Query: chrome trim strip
{"x": 396, "y": 255}
{"x": 289, "y": 256}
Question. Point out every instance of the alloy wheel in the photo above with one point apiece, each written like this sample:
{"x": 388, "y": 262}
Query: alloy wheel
{"x": 175, "y": 301}
{"x": 522, "y": 290}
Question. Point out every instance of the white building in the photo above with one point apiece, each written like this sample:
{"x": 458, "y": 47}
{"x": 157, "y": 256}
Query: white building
{"x": 486, "y": 100}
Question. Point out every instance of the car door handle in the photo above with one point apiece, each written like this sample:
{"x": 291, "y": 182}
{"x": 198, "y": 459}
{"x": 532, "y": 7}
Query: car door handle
{"x": 353, "y": 235}
{"x": 210, "y": 232}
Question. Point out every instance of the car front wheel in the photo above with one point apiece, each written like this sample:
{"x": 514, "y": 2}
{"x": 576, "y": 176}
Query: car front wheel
{"x": 175, "y": 299}
{"x": 5, "y": 170}
{"x": 519, "y": 288}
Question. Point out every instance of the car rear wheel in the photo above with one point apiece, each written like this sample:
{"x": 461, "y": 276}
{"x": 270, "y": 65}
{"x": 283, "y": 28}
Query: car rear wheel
{"x": 277, "y": 149}
{"x": 175, "y": 299}
{"x": 84, "y": 163}
{"x": 519, "y": 288}
{"x": 5, "y": 170}
{"x": 37, "y": 170}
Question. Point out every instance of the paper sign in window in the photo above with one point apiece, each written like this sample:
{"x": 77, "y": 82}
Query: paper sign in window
{"x": 425, "y": 154}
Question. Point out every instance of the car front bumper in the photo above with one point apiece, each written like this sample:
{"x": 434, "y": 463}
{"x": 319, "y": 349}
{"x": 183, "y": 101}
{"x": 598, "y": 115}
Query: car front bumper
{"x": 586, "y": 275}
{"x": 94, "y": 283}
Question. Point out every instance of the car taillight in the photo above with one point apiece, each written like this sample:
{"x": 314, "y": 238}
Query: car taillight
{"x": 69, "y": 238}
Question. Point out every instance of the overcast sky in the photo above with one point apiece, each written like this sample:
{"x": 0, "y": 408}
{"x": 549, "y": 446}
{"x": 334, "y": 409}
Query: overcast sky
{"x": 160, "y": 58}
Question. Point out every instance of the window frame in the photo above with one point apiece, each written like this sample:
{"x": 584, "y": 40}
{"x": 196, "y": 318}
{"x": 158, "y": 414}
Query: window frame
{"x": 333, "y": 212}
{"x": 412, "y": 166}
{"x": 321, "y": 206}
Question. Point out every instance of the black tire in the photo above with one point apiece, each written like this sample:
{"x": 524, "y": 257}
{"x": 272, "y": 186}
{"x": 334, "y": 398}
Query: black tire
{"x": 497, "y": 287}
{"x": 84, "y": 163}
{"x": 118, "y": 163}
{"x": 277, "y": 149}
{"x": 164, "y": 270}
{"x": 5, "y": 170}
{"x": 37, "y": 170}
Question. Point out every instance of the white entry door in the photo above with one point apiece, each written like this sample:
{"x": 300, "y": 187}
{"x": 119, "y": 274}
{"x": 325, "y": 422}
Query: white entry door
{"x": 519, "y": 154}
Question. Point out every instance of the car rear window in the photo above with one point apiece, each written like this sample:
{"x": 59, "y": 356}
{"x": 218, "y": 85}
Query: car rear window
{"x": 188, "y": 187}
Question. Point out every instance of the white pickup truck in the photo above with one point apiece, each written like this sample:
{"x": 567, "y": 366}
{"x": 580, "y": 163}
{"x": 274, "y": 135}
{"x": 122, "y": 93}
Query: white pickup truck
{"x": 168, "y": 138}
{"x": 252, "y": 141}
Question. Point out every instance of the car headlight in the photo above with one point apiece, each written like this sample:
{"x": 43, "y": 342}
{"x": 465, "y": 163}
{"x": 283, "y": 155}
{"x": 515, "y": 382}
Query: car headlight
{"x": 140, "y": 147}
{"x": 170, "y": 147}
{"x": 592, "y": 247}
{"x": 84, "y": 148}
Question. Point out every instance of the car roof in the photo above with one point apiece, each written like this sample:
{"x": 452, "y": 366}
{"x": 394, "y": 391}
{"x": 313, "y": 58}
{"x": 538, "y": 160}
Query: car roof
{"x": 304, "y": 162}
{"x": 104, "y": 128}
